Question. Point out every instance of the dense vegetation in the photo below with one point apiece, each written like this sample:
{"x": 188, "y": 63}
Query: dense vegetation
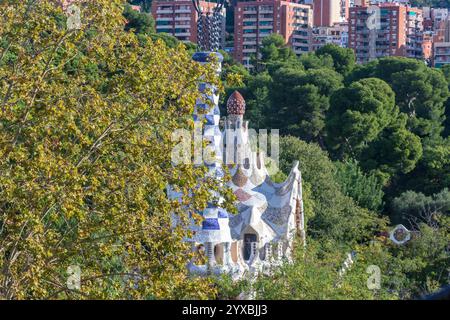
{"x": 86, "y": 120}
{"x": 86, "y": 127}
{"x": 374, "y": 151}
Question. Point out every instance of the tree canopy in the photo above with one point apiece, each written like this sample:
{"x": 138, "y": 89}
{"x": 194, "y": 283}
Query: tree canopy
{"x": 86, "y": 122}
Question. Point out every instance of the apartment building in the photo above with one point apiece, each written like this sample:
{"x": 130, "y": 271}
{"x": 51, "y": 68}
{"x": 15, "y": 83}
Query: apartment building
{"x": 387, "y": 29}
{"x": 254, "y": 20}
{"x": 438, "y": 15}
{"x": 336, "y": 34}
{"x": 326, "y": 12}
{"x": 179, "y": 18}
{"x": 441, "y": 45}
{"x": 344, "y": 10}
{"x": 427, "y": 46}
{"x": 414, "y": 33}
{"x": 441, "y": 54}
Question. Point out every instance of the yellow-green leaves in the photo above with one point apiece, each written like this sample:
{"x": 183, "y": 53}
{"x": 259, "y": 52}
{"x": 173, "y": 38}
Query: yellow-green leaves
{"x": 86, "y": 118}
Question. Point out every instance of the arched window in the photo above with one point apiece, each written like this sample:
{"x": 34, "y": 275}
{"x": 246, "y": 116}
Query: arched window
{"x": 247, "y": 163}
{"x": 218, "y": 253}
{"x": 249, "y": 238}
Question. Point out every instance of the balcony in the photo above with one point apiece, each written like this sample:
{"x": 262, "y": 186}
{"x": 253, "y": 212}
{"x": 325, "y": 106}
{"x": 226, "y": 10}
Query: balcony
{"x": 182, "y": 18}
{"x": 300, "y": 50}
{"x": 165, "y": 30}
{"x": 164, "y": 26}
{"x": 183, "y": 11}
{"x": 442, "y": 53}
{"x": 181, "y": 26}
{"x": 164, "y": 11}
{"x": 182, "y": 34}
{"x": 264, "y": 34}
{"x": 442, "y": 59}
{"x": 300, "y": 36}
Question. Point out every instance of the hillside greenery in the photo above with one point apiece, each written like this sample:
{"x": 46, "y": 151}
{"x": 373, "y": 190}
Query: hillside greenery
{"x": 373, "y": 146}
{"x": 86, "y": 123}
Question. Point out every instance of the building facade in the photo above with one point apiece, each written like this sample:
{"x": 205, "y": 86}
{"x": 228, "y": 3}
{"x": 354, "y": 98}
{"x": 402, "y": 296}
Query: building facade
{"x": 254, "y": 20}
{"x": 345, "y": 10}
{"x": 336, "y": 34}
{"x": 427, "y": 46}
{"x": 179, "y": 18}
{"x": 441, "y": 44}
{"x": 269, "y": 215}
{"x": 414, "y": 33}
{"x": 437, "y": 16}
{"x": 385, "y": 29}
{"x": 441, "y": 54}
{"x": 328, "y": 12}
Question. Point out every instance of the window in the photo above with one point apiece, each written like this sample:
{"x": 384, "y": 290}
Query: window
{"x": 249, "y": 238}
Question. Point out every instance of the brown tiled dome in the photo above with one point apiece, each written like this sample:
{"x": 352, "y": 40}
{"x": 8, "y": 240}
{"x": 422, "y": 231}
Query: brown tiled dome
{"x": 236, "y": 104}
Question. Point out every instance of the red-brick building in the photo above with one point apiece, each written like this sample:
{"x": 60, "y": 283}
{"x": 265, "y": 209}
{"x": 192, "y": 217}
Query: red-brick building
{"x": 397, "y": 30}
{"x": 254, "y": 20}
{"x": 179, "y": 18}
{"x": 329, "y": 12}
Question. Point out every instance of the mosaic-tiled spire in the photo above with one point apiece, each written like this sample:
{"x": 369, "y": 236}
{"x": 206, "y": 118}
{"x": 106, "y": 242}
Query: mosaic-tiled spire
{"x": 215, "y": 226}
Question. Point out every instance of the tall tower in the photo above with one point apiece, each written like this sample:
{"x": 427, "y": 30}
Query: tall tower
{"x": 269, "y": 213}
{"x": 214, "y": 232}
{"x": 235, "y": 137}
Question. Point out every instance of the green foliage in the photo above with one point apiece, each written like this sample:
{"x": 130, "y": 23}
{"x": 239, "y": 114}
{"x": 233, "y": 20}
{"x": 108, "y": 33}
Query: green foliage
{"x": 300, "y": 100}
{"x": 445, "y": 69}
{"x": 388, "y": 115}
{"x": 396, "y": 150}
{"x": 313, "y": 61}
{"x": 421, "y": 266}
{"x": 279, "y": 177}
{"x": 274, "y": 50}
{"x": 228, "y": 289}
{"x": 314, "y": 274}
{"x": 333, "y": 215}
{"x": 86, "y": 126}
{"x": 414, "y": 207}
{"x": 364, "y": 123}
{"x": 407, "y": 272}
{"x": 141, "y": 23}
{"x": 343, "y": 58}
{"x": 432, "y": 172}
{"x": 358, "y": 114}
{"x": 446, "y": 132}
{"x": 420, "y": 92}
{"x": 168, "y": 39}
{"x": 365, "y": 189}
